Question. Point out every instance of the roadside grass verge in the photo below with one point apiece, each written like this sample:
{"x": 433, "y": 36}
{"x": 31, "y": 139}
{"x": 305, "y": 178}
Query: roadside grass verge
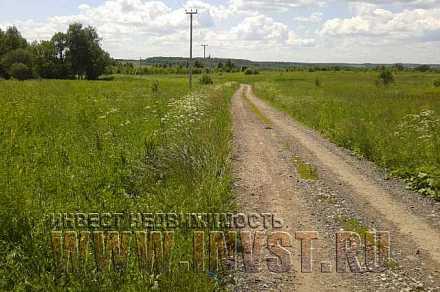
{"x": 107, "y": 146}
{"x": 397, "y": 127}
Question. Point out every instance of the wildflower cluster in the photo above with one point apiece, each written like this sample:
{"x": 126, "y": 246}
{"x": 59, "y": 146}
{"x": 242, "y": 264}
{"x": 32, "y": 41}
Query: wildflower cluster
{"x": 422, "y": 129}
{"x": 425, "y": 183}
{"x": 185, "y": 112}
{"x": 421, "y": 125}
{"x": 108, "y": 113}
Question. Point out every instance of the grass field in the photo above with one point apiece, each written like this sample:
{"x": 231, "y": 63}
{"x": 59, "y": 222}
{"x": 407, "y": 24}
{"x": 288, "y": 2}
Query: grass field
{"x": 79, "y": 146}
{"x": 123, "y": 146}
{"x": 396, "y": 126}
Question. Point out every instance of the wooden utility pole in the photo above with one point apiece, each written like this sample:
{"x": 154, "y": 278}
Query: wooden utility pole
{"x": 190, "y": 13}
{"x": 204, "y": 51}
{"x": 140, "y": 65}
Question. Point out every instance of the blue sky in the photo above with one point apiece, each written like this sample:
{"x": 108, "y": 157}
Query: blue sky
{"x": 41, "y": 9}
{"x": 358, "y": 31}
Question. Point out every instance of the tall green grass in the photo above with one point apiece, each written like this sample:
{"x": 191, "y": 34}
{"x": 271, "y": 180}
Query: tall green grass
{"x": 396, "y": 126}
{"x": 79, "y": 146}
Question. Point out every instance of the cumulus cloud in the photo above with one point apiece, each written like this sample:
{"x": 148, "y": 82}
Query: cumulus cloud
{"x": 296, "y": 41}
{"x": 406, "y": 24}
{"x": 315, "y": 17}
{"x": 133, "y": 27}
{"x": 258, "y": 29}
{"x": 273, "y": 5}
{"x": 261, "y": 28}
{"x": 409, "y": 3}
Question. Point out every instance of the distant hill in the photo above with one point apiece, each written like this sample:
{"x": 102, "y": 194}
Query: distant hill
{"x": 263, "y": 65}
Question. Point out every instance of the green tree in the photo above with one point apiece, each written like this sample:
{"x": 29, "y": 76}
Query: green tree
{"x": 20, "y": 71}
{"x": 85, "y": 54}
{"x": 45, "y": 59}
{"x": 98, "y": 61}
{"x": 59, "y": 41}
{"x": 229, "y": 66}
{"x": 423, "y": 68}
{"x": 11, "y": 40}
{"x": 75, "y": 53}
{"x": 386, "y": 77}
{"x": 18, "y": 56}
{"x": 198, "y": 64}
{"x": 398, "y": 67}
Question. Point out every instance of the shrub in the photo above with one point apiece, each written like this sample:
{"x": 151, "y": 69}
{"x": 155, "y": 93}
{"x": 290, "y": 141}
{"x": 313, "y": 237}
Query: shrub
{"x": 423, "y": 68}
{"x": 437, "y": 83}
{"x": 318, "y": 82}
{"x": 386, "y": 77}
{"x": 22, "y": 56}
{"x": 251, "y": 72}
{"x": 20, "y": 71}
{"x": 206, "y": 80}
{"x": 197, "y": 71}
{"x": 155, "y": 87}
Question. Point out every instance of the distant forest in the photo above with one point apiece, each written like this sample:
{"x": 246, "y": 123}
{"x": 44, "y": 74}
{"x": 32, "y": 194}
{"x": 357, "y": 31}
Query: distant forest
{"x": 238, "y": 64}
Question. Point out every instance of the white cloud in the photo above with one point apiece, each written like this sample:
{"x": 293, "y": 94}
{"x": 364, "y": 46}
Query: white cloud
{"x": 292, "y": 30}
{"x": 261, "y": 28}
{"x": 130, "y": 28}
{"x": 408, "y": 3}
{"x": 296, "y": 41}
{"x": 406, "y": 24}
{"x": 273, "y": 5}
{"x": 315, "y": 17}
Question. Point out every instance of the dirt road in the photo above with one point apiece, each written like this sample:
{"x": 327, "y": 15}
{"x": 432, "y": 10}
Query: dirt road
{"x": 271, "y": 152}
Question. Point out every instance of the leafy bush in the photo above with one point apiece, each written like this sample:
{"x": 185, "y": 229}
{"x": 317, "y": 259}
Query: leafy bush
{"x": 437, "y": 83}
{"x": 196, "y": 71}
{"x": 425, "y": 184}
{"x": 155, "y": 87}
{"x": 386, "y": 77}
{"x": 206, "y": 80}
{"x": 19, "y": 56}
{"x": 20, "y": 71}
{"x": 318, "y": 82}
{"x": 251, "y": 72}
{"x": 423, "y": 68}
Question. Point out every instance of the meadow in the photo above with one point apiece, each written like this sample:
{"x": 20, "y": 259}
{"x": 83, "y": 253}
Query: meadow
{"x": 396, "y": 126}
{"x": 126, "y": 145}
{"x": 145, "y": 144}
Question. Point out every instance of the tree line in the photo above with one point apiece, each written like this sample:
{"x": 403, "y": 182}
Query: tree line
{"x": 199, "y": 67}
{"x": 76, "y": 54}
